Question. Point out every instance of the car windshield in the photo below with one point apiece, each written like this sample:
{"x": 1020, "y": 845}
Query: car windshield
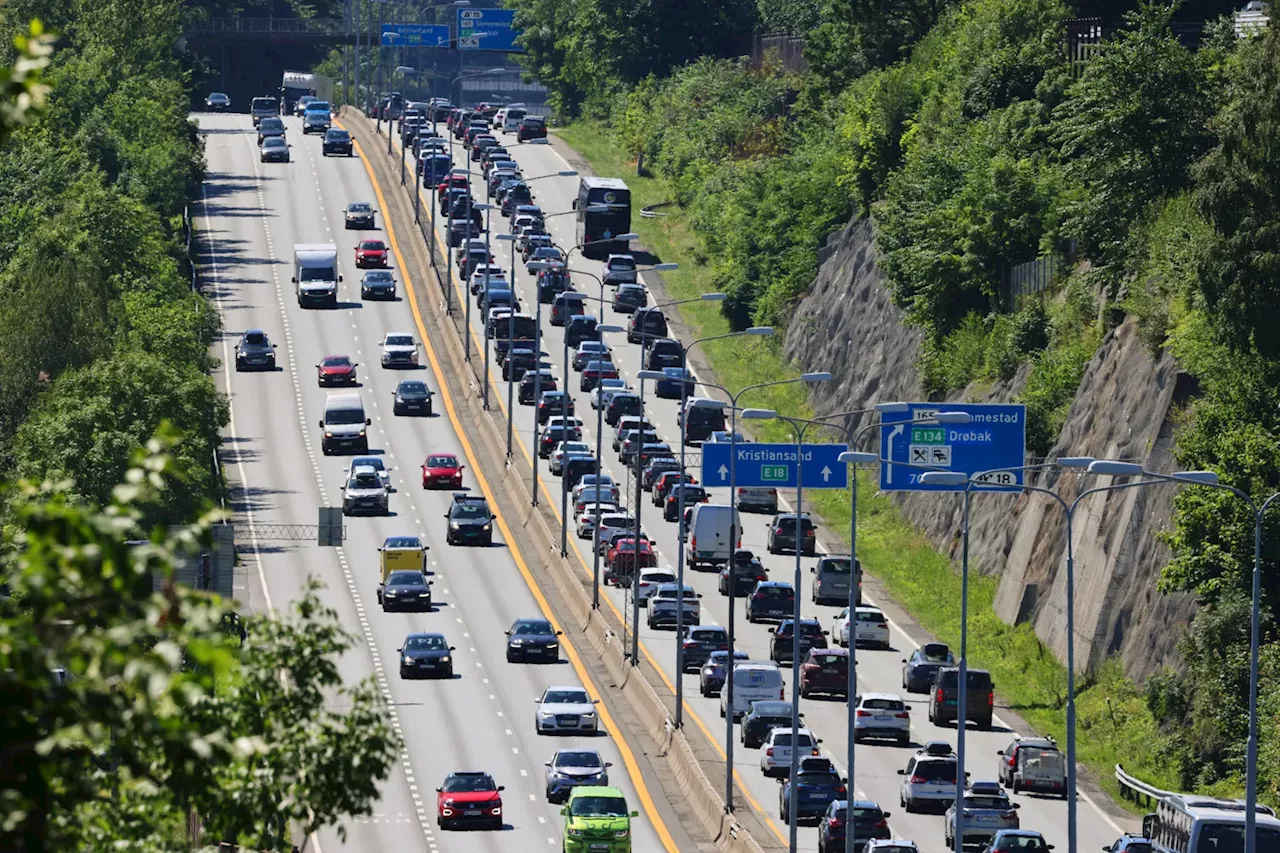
{"x": 271, "y": 124}
{"x": 533, "y": 628}
{"x": 378, "y": 275}
{"x": 375, "y": 245}
{"x": 256, "y": 339}
{"x": 442, "y": 461}
{"x": 368, "y": 462}
{"x": 369, "y": 480}
{"x": 402, "y": 542}
{"x": 868, "y": 815}
{"x": 344, "y": 417}
{"x": 426, "y": 643}
{"x": 336, "y": 135}
{"x": 1035, "y": 842}
{"x": 318, "y": 105}
{"x": 986, "y": 803}
{"x": 273, "y": 142}
{"x": 599, "y": 807}
{"x": 566, "y": 697}
{"x": 578, "y": 759}
{"x": 870, "y": 616}
{"x": 786, "y": 739}
{"x": 936, "y": 771}
{"x": 359, "y": 207}
{"x": 935, "y": 653}
{"x": 468, "y": 784}
{"x": 470, "y": 511}
{"x": 839, "y": 567}
{"x": 883, "y": 704}
{"x": 399, "y": 340}
{"x": 778, "y": 592}
{"x": 405, "y": 579}
{"x": 829, "y": 659}
{"x": 819, "y": 777}
{"x": 336, "y": 361}
{"x": 412, "y": 387}
{"x": 622, "y": 263}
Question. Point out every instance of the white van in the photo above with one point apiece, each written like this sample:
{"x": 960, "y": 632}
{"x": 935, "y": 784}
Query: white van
{"x": 344, "y": 424}
{"x": 709, "y": 535}
{"x": 511, "y": 120}
{"x": 752, "y": 681}
{"x": 315, "y": 274}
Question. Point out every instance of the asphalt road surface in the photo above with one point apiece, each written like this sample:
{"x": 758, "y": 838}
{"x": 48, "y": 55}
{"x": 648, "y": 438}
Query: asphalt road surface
{"x": 482, "y": 719}
{"x": 877, "y": 765}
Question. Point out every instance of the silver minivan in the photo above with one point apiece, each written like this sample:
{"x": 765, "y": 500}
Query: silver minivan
{"x": 832, "y": 580}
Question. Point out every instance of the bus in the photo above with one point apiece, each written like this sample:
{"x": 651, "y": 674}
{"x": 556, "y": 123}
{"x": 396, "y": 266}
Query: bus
{"x": 1184, "y": 823}
{"x": 595, "y": 229}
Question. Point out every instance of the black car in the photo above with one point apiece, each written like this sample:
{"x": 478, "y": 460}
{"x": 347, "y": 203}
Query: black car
{"x": 869, "y": 822}
{"x": 712, "y": 675}
{"x": 782, "y": 641}
{"x": 629, "y": 297}
{"x": 461, "y": 229}
{"x": 647, "y": 324}
{"x": 217, "y": 101}
{"x": 771, "y": 600}
{"x": 699, "y": 641}
{"x": 552, "y": 404}
{"x": 359, "y": 214}
{"x": 255, "y": 351}
{"x": 919, "y": 670}
{"x": 538, "y": 381}
{"x": 378, "y": 284}
{"x": 746, "y": 572}
{"x": 761, "y": 718}
{"x": 405, "y": 590}
{"x": 657, "y": 466}
{"x": 412, "y": 396}
{"x": 532, "y": 127}
{"x": 818, "y": 784}
{"x": 470, "y": 521}
{"x": 518, "y": 361}
{"x": 269, "y": 128}
{"x": 675, "y": 384}
{"x": 426, "y": 654}
{"x": 532, "y": 639}
{"x": 663, "y": 353}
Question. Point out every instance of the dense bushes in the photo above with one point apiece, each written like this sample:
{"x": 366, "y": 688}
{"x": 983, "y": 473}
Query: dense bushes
{"x": 101, "y": 338}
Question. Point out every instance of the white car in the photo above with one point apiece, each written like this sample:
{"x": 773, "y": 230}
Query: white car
{"x": 775, "y": 752}
{"x": 562, "y": 421}
{"x": 605, "y": 389}
{"x": 496, "y": 274}
{"x": 611, "y": 523}
{"x": 890, "y": 845}
{"x": 565, "y": 709}
{"x": 564, "y": 448}
{"x": 587, "y": 518}
{"x": 871, "y": 627}
{"x": 374, "y": 462}
{"x": 399, "y": 349}
{"x": 650, "y": 580}
{"x": 604, "y": 481}
{"x": 881, "y": 716}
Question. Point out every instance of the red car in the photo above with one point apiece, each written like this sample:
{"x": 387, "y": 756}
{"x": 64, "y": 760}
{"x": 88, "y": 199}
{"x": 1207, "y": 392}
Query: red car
{"x": 825, "y": 671}
{"x": 622, "y": 556}
{"x": 459, "y": 181}
{"x": 371, "y": 253}
{"x": 442, "y": 471}
{"x": 336, "y": 370}
{"x": 469, "y": 797}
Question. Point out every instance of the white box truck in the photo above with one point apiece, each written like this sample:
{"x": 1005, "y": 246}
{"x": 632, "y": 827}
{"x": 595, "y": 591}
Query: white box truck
{"x": 315, "y": 274}
{"x": 709, "y": 535}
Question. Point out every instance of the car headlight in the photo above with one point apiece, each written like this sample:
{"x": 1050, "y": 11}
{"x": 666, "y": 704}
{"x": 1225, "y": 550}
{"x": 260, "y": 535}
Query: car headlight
{"x": 362, "y": 432}
{"x": 576, "y": 832}
{"x": 445, "y": 659}
{"x": 517, "y": 642}
{"x": 328, "y": 434}
{"x": 621, "y": 833}
{"x": 544, "y": 714}
{"x": 424, "y": 595}
{"x": 453, "y": 525}
{"x": 487, "y": 527}
{"x": 587, "y": 714}
{"x": 406, "y": 660}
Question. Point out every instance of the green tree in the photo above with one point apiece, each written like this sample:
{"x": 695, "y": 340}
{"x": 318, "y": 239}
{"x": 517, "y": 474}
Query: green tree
{"x": 1129, "y": 131}
{"x": 1240, "y": 276}
{"x": 161, "y": 709}
{"x": 794, "y": 17}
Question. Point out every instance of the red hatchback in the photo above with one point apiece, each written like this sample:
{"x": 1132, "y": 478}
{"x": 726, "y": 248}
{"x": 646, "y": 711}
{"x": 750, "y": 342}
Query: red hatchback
{"x": 442, "y": 471}
{"x": 825, "y": 671}
{"x": 470, "y": 798}
{"x": 458, "y": 181}
{"x": 622, "y": 556}
{"x": 336, "y": 370}
{"x": 371, "y": 253}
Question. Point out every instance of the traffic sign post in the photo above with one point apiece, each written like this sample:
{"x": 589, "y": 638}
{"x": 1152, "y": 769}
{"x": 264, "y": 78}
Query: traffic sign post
{"x": 488, "y": 29}
{"x": 993, "y": 445}
{"x": 415, "y": 35}
{"x": 774, "y": 465}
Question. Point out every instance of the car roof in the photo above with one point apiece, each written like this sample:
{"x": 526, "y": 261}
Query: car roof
{"x": 566, "y": 687}
{"x": 775, "y": 584}
{"x": 985, "y": 788}
{"x": 869, "y": 694}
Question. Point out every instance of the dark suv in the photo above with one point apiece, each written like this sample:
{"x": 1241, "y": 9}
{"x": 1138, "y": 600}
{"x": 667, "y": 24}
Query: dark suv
{"x": 782, "y": 534}
{"x": 663, "y": 352}
{"x": 255, "y": 350}
{"x": 699, "y": 641}
{"x": 646, "y": 324}
{"x": 782, "y": 642}
{"x": 532, "y": 127}
{"x": 336, "y": 141}
{"x": 771, "y": 600}
{"x": 944, "y": 697}
{"x": 763, "y": 715}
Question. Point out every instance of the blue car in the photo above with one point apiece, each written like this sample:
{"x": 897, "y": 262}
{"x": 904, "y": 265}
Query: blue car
{"x": 818, "y": 784}
{"x": 435, "y": 168}
{"x": 676, "y": 382}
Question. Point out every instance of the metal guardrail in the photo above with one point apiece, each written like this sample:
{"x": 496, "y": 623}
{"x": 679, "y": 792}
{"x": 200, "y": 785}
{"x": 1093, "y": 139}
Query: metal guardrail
{"x": 282, "y": 26}
{"x": 1135, "y": 790}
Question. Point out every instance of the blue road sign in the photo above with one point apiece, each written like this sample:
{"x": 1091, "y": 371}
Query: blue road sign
{"x": 415, "y": 35}
{"x": 995, "y": 441}
{"x": 487, "y": 29}
{"x": 775, "y": 465}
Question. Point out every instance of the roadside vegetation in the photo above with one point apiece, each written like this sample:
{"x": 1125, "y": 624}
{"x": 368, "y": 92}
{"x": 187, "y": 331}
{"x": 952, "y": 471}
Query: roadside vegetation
{"x": 130, "y": 712}
{"x": 961, "y": 129}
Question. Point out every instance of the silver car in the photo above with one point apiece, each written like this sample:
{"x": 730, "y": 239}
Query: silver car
{"x": 565, "y": 709}
{"x": 758, "y": 499}
{"x": 620, "y": 269}
{"x": 399, "y": 350}
{"x": 569, "y": 768}
{"x": 929, "y": 779}
{"x": 987, "y": 810}
{"x": 365, "y": 493}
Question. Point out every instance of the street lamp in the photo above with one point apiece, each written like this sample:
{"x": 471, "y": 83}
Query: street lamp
{"x": 488, "y": 213}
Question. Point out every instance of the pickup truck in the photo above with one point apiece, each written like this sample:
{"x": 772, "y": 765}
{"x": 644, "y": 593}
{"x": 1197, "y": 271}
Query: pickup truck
{"x": 663, "y": 604}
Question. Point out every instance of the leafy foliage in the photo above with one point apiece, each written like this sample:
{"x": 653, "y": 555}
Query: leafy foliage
{"x": 161, "y": 707}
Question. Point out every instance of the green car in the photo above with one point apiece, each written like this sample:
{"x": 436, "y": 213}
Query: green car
{"x": 596, "y": 820}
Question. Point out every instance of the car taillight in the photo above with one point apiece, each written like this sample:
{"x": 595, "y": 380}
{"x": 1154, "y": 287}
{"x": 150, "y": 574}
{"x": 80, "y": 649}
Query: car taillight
{"x": 939, "y": 694}
{"x": 882, "y": 824}
{"x": 693, "y": 543}
{"x": 1013, "y": 761}
{"x": 862, "y": 713}
{"x": 782, "y": 694}
{"x": 834, "y": 822}
{"x": 769, "y": 751}
{"x": 903, "y": 716}
{"x": 815, "y": 750}
{"x": 918, "y": 780}
{"x": 1009, "y": 814}
{"x": 991, "y": 697}
{"x": 840, "y": 790}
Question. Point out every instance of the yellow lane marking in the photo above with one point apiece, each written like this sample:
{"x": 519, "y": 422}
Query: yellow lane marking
{"x": 628, "y": 758}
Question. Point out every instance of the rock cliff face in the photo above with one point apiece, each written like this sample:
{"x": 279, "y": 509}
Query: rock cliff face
{"x": 1123, "y": 410}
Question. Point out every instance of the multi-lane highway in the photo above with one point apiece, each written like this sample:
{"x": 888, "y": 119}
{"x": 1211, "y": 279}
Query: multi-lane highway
{"x": 482, "y": 718}
{"x": 876, "y": 766}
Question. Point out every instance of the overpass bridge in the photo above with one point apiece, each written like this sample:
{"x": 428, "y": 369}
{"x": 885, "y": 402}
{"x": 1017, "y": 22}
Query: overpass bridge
{"x": 271, "y": 31}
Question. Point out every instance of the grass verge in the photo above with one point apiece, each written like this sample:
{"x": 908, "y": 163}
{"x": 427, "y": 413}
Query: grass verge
{"x": 1113, "y": 722}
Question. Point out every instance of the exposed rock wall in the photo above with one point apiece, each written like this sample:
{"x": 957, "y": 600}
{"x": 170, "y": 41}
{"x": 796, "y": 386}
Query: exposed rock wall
{"x": 848, "y": 324}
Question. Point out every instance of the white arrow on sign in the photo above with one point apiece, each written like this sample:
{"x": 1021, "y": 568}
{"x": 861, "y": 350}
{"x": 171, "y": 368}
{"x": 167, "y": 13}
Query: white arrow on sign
{"x": 826, "y": 474}
{"x": 888, "y": 469}
{"x": 723, "y": 472}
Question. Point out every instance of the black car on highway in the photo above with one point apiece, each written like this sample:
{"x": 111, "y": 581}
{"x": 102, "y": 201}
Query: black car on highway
{"x": 771, "y": 600}
{"x": 470, "y": 521}
{"x": 255, "y": 351}
{"x": 337, "y": 141}
{"x": 782, "y": 642}
{"x": 712, "y": 675}
{"x": 532, "y": 127}
{"x": 699, "y": 641}
{"x": 919, "y": 669}
{"x": 405, "y": 590}
{"x": 762, "y": 717}
{"x": 379, "y": 284}
{"x": 412, "y": 396}
{"x": 426, "y": 654}
{"x": 532, "y": 639}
